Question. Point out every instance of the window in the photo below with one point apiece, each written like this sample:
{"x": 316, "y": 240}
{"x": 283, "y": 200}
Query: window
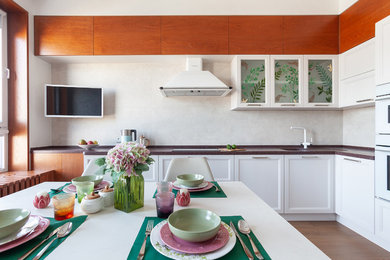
{"x": 4, "y": 75}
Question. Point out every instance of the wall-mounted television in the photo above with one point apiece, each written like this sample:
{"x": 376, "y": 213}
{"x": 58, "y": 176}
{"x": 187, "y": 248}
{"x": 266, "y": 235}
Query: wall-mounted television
{"x": 73, "y": 101}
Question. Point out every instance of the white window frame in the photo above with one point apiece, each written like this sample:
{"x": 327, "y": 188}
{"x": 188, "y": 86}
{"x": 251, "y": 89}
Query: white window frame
{"x": 4, "y": 91}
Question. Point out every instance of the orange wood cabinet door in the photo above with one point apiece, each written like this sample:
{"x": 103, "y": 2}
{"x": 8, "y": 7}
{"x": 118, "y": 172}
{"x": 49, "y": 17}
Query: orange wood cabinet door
{"x": 63, "y": 35}
{"x": 255, "y": 35}
{"x": 194, "y": 35}
{"x": 126, "y": 35}
{"x": 357, "y": 23}
{"x": 311, "y": 34}
{"x": 65, "y": 165}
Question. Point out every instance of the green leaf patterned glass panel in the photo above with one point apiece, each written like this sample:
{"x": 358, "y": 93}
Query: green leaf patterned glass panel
{"x": 320, "y": 81}
{"x": 252, "y": 81}
{"x": 286, "y": 81}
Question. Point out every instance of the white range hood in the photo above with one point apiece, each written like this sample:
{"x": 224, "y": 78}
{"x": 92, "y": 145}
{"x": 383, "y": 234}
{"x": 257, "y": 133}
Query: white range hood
{"x": 195, "y": 82}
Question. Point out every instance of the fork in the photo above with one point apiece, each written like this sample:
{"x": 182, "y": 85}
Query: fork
{"x": 149, "y": 228}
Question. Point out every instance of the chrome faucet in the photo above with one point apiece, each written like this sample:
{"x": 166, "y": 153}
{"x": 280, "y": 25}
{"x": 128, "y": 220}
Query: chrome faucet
{"x": 305, "y": 142}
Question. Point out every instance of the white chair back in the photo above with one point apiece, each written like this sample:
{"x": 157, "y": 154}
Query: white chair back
{"x": 197, "y": 165}
{"x": 93, "y": 169}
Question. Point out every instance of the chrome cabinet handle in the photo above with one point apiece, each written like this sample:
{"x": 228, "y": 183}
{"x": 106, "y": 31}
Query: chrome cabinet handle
{"x": 309, "y": 157}
{"x": 287, "y": 105}
{"x": 253, "y": 105}
{"x": 260, "y": 157}
{"x": 321, "y": 105}
{"x": 364, "y": 100}
{"x": 352, "y": 160}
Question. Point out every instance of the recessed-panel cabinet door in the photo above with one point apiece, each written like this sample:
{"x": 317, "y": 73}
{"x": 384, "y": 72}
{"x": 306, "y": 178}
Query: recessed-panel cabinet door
{"x": 286, "y": 81}
{"x": 382, "y": 54}
{"x": 263, "y": 174}
{"x": 355, "y": 191}
{"x": 309, "y": 184}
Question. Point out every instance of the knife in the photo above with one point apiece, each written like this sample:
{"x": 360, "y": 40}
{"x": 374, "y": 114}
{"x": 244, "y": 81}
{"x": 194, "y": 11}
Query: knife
{"x": 246, "y": 250}
{"x": 43, "y": 241}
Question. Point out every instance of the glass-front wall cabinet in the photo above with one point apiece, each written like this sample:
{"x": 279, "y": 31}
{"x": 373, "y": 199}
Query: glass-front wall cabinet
{"x": 320, "y": 81}
{"x": 277, "y": 81}
{"x": 286, "y": 80}
{"x": 250, "y": 81}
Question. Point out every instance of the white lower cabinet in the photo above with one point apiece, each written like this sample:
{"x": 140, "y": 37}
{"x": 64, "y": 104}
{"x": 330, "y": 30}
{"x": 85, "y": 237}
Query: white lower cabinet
{"x": 222, "y": 166}
{"x": 382, "y": 220}
{"x": 263, "y": 174}
{"x": 309, "y": 184}
{"x": 355, "y": 192}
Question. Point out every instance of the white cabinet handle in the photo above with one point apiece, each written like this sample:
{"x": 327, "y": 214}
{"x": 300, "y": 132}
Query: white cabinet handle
{"x": 309, "y": 157}
{"x": 259, "y": 157}
{"x": 352, "y": 160}
{"x": 364, "y": 100}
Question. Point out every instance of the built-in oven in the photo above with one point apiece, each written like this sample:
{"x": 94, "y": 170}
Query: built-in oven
{"x": 382, "y": 171}
{"x": 382, "y": 110}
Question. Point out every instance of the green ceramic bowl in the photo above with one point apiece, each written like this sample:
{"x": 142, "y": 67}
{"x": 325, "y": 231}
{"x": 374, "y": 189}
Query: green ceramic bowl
{"x": 189, "y": 180}
{"x": 87, "y": 178}
{"x": 11, "y": 220}
{"x": 194, "y": 225}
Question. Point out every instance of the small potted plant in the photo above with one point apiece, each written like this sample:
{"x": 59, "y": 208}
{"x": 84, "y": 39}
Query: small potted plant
{"x": 126, "y": 162}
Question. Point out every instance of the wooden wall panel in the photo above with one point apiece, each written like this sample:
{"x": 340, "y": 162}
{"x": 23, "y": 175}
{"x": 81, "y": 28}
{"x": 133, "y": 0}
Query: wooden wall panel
{"x": 63, "y": 35}
{"x": 126, "y": 35}
{"x": 194, "y": 35}
{"x": 18, "y": 103}
{"x": 357, "y": 23}
{"x": 65, "y": 165}
{"x": 316, "y": 34}
{"x": 255, "y": 34}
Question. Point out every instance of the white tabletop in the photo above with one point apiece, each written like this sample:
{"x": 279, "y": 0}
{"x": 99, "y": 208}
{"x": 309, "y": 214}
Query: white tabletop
{"x": 110, "y": 233}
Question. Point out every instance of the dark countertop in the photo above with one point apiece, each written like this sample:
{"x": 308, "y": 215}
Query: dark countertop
{"x": 353, "y": 151}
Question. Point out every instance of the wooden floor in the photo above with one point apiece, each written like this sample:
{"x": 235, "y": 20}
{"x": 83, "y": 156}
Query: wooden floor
{"x": 339, "y": 242}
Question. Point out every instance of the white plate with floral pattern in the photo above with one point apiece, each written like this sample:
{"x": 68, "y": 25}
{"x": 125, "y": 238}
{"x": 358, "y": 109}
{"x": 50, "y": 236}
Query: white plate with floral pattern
{"x": 158, "y": 244}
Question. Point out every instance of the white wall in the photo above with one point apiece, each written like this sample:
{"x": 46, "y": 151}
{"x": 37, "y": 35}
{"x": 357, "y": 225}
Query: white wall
{"x": 359, "y": 127}
{"x": 345, "y": 4}
{"x": 132, "y": 100}
{"x": 180, "y": 7}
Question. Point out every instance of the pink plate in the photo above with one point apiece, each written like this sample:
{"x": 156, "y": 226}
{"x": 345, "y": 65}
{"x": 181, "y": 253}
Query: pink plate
{"x": 43, "y": 224}
{"x": 71, "y": 188}
{"x": 217, "y": 242}
{"x": 209, "y": 186}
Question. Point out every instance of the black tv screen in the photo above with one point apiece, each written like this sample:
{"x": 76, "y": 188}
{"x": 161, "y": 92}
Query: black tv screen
{"x": 73, "y": 101}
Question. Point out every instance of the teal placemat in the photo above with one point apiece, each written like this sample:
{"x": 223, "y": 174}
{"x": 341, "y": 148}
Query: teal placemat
{"x": 236, "y": 253}
{"x": 59, "y": 190}
{"x": 20, "y": 250}
{"x": 210, "y": 193}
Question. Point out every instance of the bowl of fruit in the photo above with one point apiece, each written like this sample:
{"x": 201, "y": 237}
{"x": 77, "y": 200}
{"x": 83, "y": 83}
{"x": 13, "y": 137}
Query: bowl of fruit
{"x": 87, "y": 145}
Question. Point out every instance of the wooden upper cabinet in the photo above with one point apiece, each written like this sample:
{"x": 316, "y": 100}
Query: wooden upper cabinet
{"x": 194, "y": 35}
{"x": 255, "y": 35}
{"x": 357, "y": 23}
{"x": 126, "y": 35}
{"x": 316, "y": 34}
{"x": 63, "y": 35}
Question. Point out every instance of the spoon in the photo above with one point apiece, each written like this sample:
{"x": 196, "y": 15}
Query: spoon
{"x": 64, "y": 231}
{"x": 244, "y": 228}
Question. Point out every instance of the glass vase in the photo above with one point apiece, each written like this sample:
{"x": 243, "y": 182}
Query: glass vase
{"x": 129, "y": 192}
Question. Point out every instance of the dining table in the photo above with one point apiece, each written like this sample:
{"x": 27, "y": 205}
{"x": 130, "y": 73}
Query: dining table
{"x": 110, "y": 233}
